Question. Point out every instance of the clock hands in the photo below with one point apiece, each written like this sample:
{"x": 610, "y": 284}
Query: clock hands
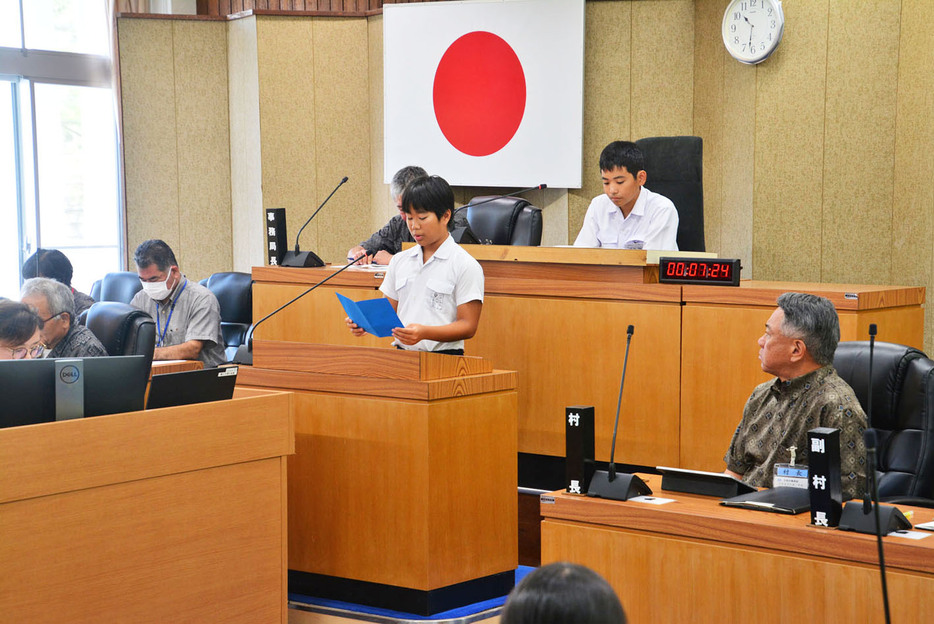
{"x": 751, "y": 28}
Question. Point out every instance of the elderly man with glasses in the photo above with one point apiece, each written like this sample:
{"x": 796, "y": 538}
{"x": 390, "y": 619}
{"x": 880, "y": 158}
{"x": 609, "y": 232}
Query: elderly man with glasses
{"x": 54, "y": 304}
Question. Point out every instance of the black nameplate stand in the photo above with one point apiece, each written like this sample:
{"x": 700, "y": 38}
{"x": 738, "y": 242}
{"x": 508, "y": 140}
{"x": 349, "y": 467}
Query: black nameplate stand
{"x": 579, "y": 448}
{"x": 276, "y": 243}
{"x": 824, "y": 488}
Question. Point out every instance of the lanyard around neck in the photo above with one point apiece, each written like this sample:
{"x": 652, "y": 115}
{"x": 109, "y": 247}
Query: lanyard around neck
{"x": 162, "y": 332}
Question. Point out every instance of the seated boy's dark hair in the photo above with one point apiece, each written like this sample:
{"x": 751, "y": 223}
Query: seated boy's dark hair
{"x": 622, "y": 154}
{"x": 49, "y": 263}
{"x": 18, "y": 322}
{"x": 428, "y": 194}
{"x": 563, "y": 592}
{"x": 157, "y": 252}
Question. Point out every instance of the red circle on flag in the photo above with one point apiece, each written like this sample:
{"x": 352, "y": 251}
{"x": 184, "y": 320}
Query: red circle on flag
{"x": 479, "y": 93}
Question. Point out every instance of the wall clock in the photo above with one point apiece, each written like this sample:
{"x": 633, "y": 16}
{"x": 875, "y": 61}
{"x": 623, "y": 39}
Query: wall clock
{"x": 752, "y": 29}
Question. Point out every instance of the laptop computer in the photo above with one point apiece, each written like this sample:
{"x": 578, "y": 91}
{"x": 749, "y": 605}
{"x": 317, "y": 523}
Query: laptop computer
{"x": 188, "y": 387}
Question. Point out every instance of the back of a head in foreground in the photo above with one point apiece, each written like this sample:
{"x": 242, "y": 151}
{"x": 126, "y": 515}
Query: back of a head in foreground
{"x": 563, "y": 593}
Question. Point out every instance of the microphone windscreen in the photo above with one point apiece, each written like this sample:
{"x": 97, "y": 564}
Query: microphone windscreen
{"x": 542, "y": 186}
{"x": 870, "y": 438}
{"x": 345, "y": 179}
{"x": 872, "y": 329}
{"x": 630, "y": 329}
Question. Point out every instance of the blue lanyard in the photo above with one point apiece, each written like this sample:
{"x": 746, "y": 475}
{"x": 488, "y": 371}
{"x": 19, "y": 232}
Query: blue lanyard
{"x": 162, "y": 332}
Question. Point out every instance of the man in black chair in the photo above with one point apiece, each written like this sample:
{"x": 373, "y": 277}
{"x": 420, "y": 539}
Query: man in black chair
{"x": 387, "y": 242}
{"x": 798, "y": 347}
{"x": 628, "y": 215}
{"x": 61, "y": 334}
{"x": 187, "y": 315}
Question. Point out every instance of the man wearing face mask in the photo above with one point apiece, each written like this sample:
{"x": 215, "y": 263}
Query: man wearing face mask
{"x": 187, "y": 315}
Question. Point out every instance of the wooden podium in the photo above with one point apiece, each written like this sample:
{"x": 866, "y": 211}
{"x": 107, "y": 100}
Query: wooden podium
{"x": 402, "y": 492}
{"x": 168, "y": 515}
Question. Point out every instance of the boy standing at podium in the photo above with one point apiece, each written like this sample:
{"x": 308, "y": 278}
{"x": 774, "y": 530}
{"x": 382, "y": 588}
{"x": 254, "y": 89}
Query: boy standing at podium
{"x": 435, "y": 287}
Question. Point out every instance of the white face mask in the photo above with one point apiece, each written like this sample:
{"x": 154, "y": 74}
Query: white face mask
{"x": 157, "y": 290}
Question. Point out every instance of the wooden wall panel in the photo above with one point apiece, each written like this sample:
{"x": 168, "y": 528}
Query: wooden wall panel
{"x": 607, "y": 97}
{"x": 150, "y": 149}
{"x": 862, "y": 70}
{"x": 789, "y": 148}
{"x": 285, "y": 56}
{"x": 342, "y": 134}
{"x": 912, "y": 252}
{"x": 205, "y": 243}
{"x": 662, "y": 69}
{"x": 709, "y": 62}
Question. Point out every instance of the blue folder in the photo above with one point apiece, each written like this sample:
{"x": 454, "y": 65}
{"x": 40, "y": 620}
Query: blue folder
{"x": 375, "y": 316}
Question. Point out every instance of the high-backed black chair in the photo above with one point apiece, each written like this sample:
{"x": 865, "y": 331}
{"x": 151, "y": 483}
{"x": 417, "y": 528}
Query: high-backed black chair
{"x": 234, "y": 292}
{"x": 902, "y": 413}
{"x": 118, "y": 286}
{"x": 674, "y": 167}
{"x": 505, "y": 221}
{"x": 122, "y": 329}
{"x": 95, "y": 293}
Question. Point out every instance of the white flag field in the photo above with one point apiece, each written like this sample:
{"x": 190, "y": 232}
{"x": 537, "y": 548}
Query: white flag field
{"x": 485, "y": 92}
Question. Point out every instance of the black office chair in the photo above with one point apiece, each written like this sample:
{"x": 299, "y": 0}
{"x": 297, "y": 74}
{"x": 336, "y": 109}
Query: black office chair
{"x": 122, "y": 329}
{"x": 505, "y": 221}
{"x": 902, "y": 413}
{"x": 674, "y": 168}
{"x": 118, "y": 286}
{"x": 234, "y": 292}
{"x": 95, "y": 293}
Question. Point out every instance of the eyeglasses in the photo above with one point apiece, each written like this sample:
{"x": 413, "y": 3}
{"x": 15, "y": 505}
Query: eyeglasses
{"x": 51, "y": 317}
{"x": 34, "y": 352}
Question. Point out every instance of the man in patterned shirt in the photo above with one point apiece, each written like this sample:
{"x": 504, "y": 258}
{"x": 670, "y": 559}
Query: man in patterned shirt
{"x": 61, "y": 334}
{"x": 800, "y": 339}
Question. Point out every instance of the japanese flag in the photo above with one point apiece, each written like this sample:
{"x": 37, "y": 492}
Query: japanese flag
{"x": 485, "y": 93}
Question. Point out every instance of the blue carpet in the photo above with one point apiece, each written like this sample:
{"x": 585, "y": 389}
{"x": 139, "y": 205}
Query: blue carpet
{"x": 460, "y": 612}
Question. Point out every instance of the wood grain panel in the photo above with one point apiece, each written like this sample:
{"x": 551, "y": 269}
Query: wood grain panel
{"x": 357, "y": 361}
{"x": 367, "y": 386}
{"x": 789, "y": 114}
{"x": 712, "y": 397}
{"x": 862, "y": 83}
{"x": 45, "y": 459}
{"x": 570, "y": 352}
{"x": 662, "y": 38}
{"x": 415, "y": 534}
{"x": 843, "y": 296}
{"x": 198, "y": 546}
{"x": 659, "y": 579}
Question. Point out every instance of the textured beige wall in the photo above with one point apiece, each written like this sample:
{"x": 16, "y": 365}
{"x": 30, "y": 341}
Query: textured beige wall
{"x": 817, "y": 167}
{"x": 314, "y": 120}
{"x": 176, "y": 139}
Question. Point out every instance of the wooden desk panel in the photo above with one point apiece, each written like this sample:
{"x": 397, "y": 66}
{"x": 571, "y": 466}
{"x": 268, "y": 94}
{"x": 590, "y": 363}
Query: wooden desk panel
{"x": 165, "y": 516}
{"x": 693, "y": 560}
{"x": 570, "y": 352}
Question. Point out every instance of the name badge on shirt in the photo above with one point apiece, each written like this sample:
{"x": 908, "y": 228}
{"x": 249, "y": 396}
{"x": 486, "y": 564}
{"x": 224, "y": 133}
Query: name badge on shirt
{"x": 790, "y": 475}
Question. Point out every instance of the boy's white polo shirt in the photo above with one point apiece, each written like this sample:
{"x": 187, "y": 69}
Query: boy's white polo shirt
{"x": 429, "y": 293}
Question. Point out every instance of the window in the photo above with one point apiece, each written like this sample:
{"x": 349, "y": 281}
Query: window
{"x": 59, "y": 165}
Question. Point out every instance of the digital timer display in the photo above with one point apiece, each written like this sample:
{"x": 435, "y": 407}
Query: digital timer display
{"x": 712, "y": 271}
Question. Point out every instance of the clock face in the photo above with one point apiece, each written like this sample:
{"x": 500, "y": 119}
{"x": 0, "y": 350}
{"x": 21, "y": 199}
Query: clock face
{"x": 752, "y": 29}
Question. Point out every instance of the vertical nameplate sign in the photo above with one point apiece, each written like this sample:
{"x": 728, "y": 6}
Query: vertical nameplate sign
{"x": 276, "y": 243}
{"x": 824, "y": 484}
{"x": 579, "y": 443}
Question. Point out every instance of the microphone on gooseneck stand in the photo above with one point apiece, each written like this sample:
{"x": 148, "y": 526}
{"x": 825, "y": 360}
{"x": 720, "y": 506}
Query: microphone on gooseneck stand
{"x": 869, "y": 435}
{"x": 299, "y": 258}
{"x": 245, "y": 351}
{"x": 464, "y": 235}
{"x": 607, "y": 483}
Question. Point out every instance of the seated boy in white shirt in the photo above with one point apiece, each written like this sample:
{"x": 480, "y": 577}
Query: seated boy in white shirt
{"x": 628, "y": 215}
{"x": 435, "y": 287}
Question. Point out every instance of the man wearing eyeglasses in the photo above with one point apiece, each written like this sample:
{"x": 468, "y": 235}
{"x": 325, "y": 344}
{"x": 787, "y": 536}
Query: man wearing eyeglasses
{"x": 54, "y": 304}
